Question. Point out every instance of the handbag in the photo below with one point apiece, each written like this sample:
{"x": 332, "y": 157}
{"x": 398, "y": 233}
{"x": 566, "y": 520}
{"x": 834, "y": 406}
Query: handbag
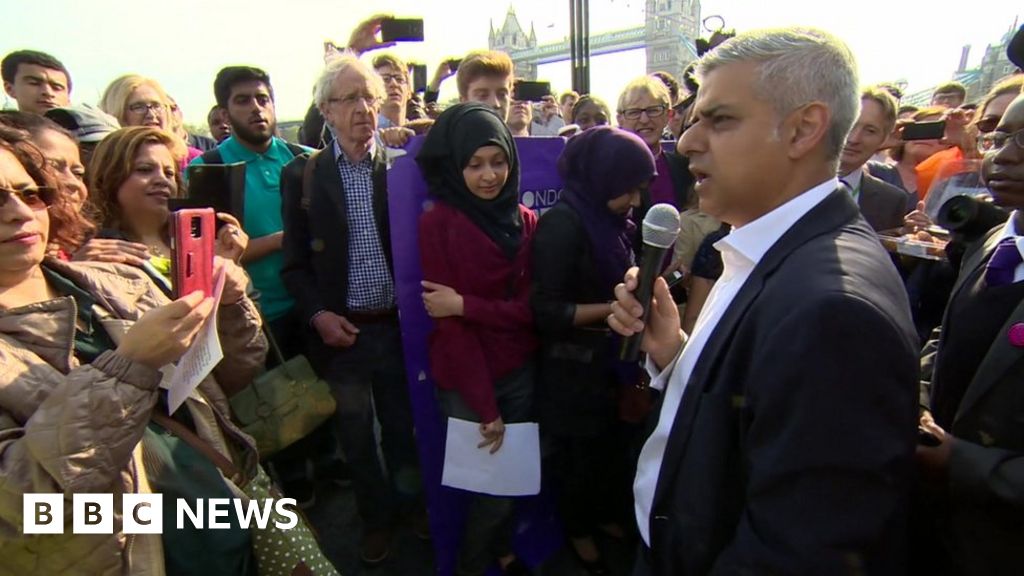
{"x": 284, "y": 404}
{"x": 278, "y": 552}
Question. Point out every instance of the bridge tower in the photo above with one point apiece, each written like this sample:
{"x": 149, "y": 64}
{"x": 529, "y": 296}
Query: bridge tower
{"x": 672, "y": 26}
{"x": 510, "y": 38}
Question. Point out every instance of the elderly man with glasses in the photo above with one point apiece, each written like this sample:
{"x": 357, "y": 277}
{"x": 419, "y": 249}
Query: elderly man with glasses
{"x": 337, "y": 265}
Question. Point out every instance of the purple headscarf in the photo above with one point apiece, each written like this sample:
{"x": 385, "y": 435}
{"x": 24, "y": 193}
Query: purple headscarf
{"x": 598, "y": 165}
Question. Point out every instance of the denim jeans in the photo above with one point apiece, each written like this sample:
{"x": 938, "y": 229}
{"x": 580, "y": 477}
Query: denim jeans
{"x": 368, "y": 379}
{"x": 490, "y": 520}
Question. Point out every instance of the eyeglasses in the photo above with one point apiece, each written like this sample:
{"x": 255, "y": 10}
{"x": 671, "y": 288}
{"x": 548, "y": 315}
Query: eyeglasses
{"x": 651, "y": 111}
{"x": 39, "y": 198}
{"x": 371, "y": 101}
{"x": 399, "y": 78}
{"x": 995, "y": 141}
{"x": 146, "y": 107}
{"x": 986, "y": 125}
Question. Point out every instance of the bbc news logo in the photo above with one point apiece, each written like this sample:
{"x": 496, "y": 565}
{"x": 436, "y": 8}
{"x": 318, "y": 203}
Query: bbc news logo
{"x": 144, "y": 513}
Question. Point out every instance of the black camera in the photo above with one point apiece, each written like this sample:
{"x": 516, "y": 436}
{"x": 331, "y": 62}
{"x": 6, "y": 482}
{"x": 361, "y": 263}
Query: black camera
{"x": 969, "y": 217}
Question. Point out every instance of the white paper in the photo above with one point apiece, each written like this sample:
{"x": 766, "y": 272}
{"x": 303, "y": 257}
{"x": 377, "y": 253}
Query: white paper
{"x": 514, "y": 470}
{"x": 200, "y": 358}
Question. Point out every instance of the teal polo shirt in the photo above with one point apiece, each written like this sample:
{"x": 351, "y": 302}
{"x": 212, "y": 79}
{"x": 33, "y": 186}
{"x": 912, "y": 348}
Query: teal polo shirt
{"x": 263, "y": 216}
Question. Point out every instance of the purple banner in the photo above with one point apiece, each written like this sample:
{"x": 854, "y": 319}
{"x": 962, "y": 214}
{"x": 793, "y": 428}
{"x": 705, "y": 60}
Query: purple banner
{"x": 538, "y": 533}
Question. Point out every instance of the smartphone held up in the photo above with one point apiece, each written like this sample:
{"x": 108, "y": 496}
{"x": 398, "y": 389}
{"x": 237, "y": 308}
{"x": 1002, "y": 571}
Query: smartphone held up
{"x": 193, "y": 235}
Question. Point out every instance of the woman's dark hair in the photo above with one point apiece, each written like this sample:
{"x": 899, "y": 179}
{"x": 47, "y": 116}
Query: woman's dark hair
{"x": 34, "y": 124}
{"x": 589, "y": 99}
{"x": 112, "y": 164}
{"x": 67, "y": 227}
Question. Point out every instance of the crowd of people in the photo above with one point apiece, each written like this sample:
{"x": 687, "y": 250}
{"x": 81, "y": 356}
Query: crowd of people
{"x": 809, "y": 403}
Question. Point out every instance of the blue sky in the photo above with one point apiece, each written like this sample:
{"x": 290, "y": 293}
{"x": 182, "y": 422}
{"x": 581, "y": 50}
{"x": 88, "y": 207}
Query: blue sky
{"x": 183, "y": 43}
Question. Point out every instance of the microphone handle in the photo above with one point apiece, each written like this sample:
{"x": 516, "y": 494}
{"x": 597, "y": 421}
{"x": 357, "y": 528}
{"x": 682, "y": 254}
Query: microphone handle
{"x": 650, "y": 265}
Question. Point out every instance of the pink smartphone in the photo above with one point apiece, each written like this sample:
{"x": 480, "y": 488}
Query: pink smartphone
{"x": 192, "y": 246}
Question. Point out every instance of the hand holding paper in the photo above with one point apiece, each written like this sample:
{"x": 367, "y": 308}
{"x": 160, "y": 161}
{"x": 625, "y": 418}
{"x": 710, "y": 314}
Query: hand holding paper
{"x": 164, "y": 334}
{"x": 201, "y": 357}
{"x": 514, "y": 470}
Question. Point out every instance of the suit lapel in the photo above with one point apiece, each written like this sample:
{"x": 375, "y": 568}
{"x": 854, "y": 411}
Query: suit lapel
{"x": 1002, "y": 354}
{"x": 867, "y": 199}
{"x": 329, "y": 179}
{"x": 976, "y": 259}
{"x": 837, "y": 210}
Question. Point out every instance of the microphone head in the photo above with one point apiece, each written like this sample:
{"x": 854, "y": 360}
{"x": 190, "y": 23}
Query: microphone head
{"x": 661, "y": 226}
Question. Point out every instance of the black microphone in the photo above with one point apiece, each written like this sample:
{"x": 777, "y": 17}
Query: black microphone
{"x": 660, "y": 229}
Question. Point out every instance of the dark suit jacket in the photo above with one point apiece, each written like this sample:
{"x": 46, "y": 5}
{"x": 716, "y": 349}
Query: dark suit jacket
{"x": 792, "y": 449}
{"x": 315, "y": 243}
{"x": 982, "y": 514}
{"x": 882, "y": 204}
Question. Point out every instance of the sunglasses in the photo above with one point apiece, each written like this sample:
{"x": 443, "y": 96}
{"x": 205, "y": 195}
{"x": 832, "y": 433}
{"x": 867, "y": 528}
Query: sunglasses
{"x": 39, "y": 198}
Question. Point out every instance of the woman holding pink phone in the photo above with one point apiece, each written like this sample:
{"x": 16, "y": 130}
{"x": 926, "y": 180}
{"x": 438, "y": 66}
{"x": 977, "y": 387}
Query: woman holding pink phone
{"x": 133, "y": 174}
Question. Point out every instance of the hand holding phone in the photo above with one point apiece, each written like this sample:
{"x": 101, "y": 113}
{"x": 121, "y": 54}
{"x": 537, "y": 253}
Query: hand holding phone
{"x": 192, "y": 249}
{"x": 364, "y": 36}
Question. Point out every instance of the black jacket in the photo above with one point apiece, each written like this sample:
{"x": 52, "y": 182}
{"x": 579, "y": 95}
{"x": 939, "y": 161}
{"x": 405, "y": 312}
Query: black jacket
{"x": 577, "y": 390}
{"x": 792, "y": 450}
{"x": 980, "y": 514}
{"x": 882, "y": 204}
{"x": 315, "y": 243}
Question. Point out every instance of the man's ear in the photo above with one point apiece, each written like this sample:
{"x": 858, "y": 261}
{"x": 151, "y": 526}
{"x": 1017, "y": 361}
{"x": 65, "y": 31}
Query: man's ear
{"x": 805, "y": 128}
{"x": 9, "y": 88}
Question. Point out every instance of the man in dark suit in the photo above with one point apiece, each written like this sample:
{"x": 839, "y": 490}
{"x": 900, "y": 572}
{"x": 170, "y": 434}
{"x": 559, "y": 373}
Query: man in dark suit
{"x": 337, "y": 266}
{"x": 972, "y": 374}
{"x": 784, "y": 439}
{"x": 882, "y": 204}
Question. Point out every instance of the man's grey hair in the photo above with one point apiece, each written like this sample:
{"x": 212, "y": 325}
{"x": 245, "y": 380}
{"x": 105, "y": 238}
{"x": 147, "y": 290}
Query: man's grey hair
{"x": 797, "y": 66}
{"x": 338, "y": 66}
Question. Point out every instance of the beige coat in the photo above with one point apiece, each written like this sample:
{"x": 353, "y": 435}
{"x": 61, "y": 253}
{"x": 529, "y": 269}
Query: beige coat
{"x": 73, "y": 428}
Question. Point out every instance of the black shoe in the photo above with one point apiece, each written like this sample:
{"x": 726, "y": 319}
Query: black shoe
{"x": 302, "y": 491}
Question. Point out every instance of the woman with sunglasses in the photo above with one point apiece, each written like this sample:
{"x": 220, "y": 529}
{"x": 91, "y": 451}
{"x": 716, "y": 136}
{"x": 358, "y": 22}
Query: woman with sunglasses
{"x": 81, "y": 351}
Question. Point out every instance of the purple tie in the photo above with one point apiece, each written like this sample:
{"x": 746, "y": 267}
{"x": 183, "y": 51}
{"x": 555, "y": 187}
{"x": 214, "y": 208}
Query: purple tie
{"x": 1004, "y": 261}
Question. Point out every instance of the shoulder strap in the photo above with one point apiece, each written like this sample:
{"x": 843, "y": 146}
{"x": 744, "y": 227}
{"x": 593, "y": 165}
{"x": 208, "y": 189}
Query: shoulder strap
{"x": 226, "y": 466}
{"x": 295, "y": 149}
{"x": 307, "y": 178}
{"x": 212, "y": 156}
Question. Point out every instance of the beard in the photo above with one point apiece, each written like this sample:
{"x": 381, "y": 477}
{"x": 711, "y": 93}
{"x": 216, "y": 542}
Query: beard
{"x": 245, "y": 133}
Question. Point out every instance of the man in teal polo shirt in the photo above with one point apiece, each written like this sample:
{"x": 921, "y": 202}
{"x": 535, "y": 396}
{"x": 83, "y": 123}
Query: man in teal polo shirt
{"x": 246, "y": 94}
{"x": 248, "y": 97}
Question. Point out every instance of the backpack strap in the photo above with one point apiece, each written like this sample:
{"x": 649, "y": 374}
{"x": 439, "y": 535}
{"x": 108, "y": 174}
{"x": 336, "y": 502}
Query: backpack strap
{"x": 307, "y": 178}
{"x": 212, "y": 157}
{"x": 295, "y": 149}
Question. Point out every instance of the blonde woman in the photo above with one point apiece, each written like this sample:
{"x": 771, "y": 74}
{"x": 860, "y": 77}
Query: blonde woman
{"x": 139, "y": 101}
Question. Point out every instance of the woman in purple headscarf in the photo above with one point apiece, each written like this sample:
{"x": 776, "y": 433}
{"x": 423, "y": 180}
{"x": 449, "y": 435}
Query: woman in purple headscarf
{"x": 581, "y": 250}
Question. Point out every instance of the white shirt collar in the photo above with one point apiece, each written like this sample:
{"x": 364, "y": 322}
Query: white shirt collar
{"x": 853, "y": 179}
{"x": 1010, "y": 229}
{"x": 754, "y": 239}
